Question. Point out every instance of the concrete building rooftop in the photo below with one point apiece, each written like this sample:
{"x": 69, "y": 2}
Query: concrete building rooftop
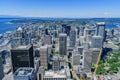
{"x": 8, "y": 77}
{"x": 22, "y": 47}
{"x": 7, "y": 68}
{"x": 55, "y": 58}
{"x": 89, "y": 29}
{"x": 98, "y": 36}
{"x": 63, "y": 58}
{"x": 80, "y": 46}
{"x": 62, "y": 35}
{"x": 24, "y": 71}
{"x": 43, "y": 47}
{"x": 41, "y": 70}
{"x": 101, "y": 23}
{"x": 52, "y": 74}
{"x": 95, "y": 49}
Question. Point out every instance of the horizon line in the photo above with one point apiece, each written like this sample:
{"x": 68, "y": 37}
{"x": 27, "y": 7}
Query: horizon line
{"x": 19, "y": 16}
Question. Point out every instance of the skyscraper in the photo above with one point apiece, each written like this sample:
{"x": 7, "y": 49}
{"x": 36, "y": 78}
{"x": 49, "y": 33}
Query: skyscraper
{"x": 80, "y": 49}
{"x": 47, "y": 39}
{"x": 101, "y": 29}
{"x": 97, "y": 42}
{"x": 72, "y": 38}
{"x": 1, "y": 68}
{"x": 87, "y": 60}
{"x": 66, "y": 29}
{"x": 95, "y": 55}
{"x": 55, "y": 63}
{"x": 88, "y": 31}
{"x": 46, "y": 31}
{"x": 55, "y": 33}
{"x": 75, "y": 58}
{"x": 19, "y": 38}
{"x": 40, "y": 73}
{"x": 44, "y": 56}
{"x": 22, "y": 56}
{"x": 62, "y": 44}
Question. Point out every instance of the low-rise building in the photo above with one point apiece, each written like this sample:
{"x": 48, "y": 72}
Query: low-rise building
{"x": 51, "y": 75}
{"x": 25, "y": 73}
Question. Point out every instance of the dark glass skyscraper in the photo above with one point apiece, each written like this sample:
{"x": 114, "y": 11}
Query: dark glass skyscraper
{"x": 1, "y": 68}
{"x": 22, "y": 56}
{"x": 66, "y": 29}
{"x": 62, "y": 44}
{"x": 72, "y": 38}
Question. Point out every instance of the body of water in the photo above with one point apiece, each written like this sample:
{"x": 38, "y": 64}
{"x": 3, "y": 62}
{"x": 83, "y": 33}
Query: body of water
{"x": 6, "y": 26}
{"x": 111, "y": 26}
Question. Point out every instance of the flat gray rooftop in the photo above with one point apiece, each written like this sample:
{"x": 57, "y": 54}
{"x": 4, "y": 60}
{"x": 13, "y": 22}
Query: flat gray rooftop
{"x": 24, "y": 71}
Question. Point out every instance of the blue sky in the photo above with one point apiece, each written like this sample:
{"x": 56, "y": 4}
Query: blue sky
{"x": 61, "y": 8}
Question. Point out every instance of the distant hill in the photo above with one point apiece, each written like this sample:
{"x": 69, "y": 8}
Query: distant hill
{"x": 9, "y": 16}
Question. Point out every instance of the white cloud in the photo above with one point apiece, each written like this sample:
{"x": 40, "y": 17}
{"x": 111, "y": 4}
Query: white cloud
{"x": 106, "y": 13}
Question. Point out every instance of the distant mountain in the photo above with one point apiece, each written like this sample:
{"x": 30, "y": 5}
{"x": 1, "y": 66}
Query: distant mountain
{"x": 10, "y": 16}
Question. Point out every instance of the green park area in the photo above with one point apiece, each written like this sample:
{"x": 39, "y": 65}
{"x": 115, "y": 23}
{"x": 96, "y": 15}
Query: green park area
{"x": 111, "y": 65}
